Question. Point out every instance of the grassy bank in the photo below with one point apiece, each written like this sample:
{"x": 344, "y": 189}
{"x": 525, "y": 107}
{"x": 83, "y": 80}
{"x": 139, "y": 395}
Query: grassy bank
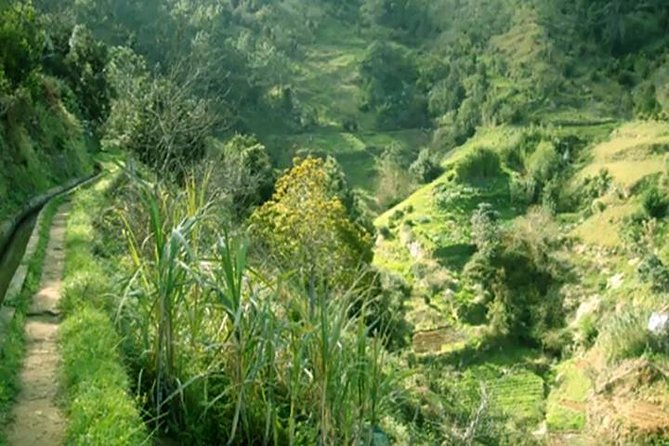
{"x": 11, "y": 353}
{"x": 100, "y": 407}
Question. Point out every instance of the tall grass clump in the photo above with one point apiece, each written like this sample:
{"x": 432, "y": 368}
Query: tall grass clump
{"x": 480, "y": 164}
{"x": 226, "y": 354}
{"x": 624, "y": 334}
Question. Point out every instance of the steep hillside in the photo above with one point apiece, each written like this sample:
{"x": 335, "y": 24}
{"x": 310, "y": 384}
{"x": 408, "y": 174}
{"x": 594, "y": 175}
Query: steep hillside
{"x": 609, "y": 221}
{"x": 47, "y": 106}
{"x": 366, "y": 222}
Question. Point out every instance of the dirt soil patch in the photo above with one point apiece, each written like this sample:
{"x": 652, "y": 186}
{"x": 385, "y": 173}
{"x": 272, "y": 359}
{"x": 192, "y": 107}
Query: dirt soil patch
{"x": 630, "y": 404}
{"x": 432, "y": 341}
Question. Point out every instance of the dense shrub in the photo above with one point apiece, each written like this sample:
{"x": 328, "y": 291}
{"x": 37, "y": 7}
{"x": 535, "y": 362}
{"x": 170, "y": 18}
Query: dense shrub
{"x": 656, "y": 202}
{"x": 160, "y": 119}
{"x": 518, "y": 282}
{"x": 21, "y": 41}
{"x": 349, "y": 124}
{"x": 389, "y": 75}
{"x": 624, "y": 335}
{"x": 596, "y": 186}
{"x": 653, "y": 271}
{"x": 544, "y": 163}
{"x": 81, "y": 60}
{"x": 480, "y": 164}
{"x": 241, "y": 170}
{"x": 425, "y": 168}
{"x": 523, "y": 190}
{"x": 485, "y": 229}
{"x": 386, "y": 313}
{"x": 645, "y": 100}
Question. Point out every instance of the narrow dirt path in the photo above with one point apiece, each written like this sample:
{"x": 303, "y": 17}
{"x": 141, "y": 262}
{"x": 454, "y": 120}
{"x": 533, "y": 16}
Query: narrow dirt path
{"x": 36, "y": 418}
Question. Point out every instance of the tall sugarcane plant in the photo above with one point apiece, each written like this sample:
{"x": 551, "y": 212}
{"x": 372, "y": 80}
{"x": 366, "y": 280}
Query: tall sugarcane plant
{"x": 218, "y": 343}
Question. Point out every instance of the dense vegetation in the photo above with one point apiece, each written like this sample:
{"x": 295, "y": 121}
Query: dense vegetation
{"x": 350, "y": 222}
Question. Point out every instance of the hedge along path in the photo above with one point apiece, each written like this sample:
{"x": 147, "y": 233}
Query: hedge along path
{"x": 36, "y": 417}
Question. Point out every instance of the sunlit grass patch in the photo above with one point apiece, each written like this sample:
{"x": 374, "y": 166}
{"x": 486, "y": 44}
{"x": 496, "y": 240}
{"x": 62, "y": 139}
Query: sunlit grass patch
{"x": 565, "y": 407}
{"x": 515, "y": 393}
{"x": 632, "y": 152}
{"x": 99, "y": 405}
{"x": 100, "y": 410}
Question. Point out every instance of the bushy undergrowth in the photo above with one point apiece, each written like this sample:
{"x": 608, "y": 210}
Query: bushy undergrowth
{"x": 624, "y": 335}
{"x": 100, "y": 407}
{"x": 514, "y": 278}
{"x": 481, "y": 164}
{"x": 656, "y": 202}
{"x": 43, "y": 136}
{"x": 223, "y": 351}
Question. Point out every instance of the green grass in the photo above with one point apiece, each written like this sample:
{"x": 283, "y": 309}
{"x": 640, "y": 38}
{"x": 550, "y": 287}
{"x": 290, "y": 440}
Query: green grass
{"x": 100, "y": 410}
{"x": 633, "y": 151}
{"x": 13, "y": 347}
{"x": 327, "y": 78}
{"x": 100, "y": 407}
{"x": 356, "y": 152}
{"x": 565, "y": 407}
{"x": 46, "y": 147}
{"x": 516, "y": 393}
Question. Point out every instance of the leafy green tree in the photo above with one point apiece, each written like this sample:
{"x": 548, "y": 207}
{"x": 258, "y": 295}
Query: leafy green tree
{"x": 410, "y": 16}
{"x": 390, "y": 76}
{"x": 73, "y": 54}
{"x": 486, "y": 232}
{"x": 338, "y": 187}
{"x": 518, "y": 273}
{"x": 425, "y": 168}
{"x": 159, "y": 119}
{"x": 306, "y": 228}
{"x": 21, "y": 41}
{"x": 243, "y": 173}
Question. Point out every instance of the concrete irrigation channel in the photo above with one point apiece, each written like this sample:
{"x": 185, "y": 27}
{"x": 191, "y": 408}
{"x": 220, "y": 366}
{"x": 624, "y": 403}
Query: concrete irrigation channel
{"x": 19, "y": 235}
{"x": 36, "y": 417}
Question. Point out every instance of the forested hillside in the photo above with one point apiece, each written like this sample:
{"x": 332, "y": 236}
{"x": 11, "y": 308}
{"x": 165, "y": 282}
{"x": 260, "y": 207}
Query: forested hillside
{"x": 334, "y": 222}
{"x": 49, "y": 112}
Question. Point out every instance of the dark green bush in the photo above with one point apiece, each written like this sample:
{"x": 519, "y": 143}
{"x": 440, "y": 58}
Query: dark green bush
{"x": 485, "y": 229}
{"x": 480, "y": 164}
{"x": 656, "y": 202}
{"x": 349, "y": 124}
{"x": 595, "y": 186}
{"x": 425, "y": 169}
{"x": 653, "y": 271}
{"x": 385, "y": 232}
{"x": 544, "y": 163}
{"x": 645, "y": 100}
{"x": 556, "y": 341}
{"x": 524, "y": 190}
{"x": 387, "y": 310}
{"x": 21, "y": 41}
{"x": 518, "y": 280}
{"x": 389, "y": 74}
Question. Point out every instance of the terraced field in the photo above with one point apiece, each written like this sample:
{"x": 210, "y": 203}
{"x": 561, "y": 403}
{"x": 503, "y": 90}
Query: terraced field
{"x": 516, "y": 393}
